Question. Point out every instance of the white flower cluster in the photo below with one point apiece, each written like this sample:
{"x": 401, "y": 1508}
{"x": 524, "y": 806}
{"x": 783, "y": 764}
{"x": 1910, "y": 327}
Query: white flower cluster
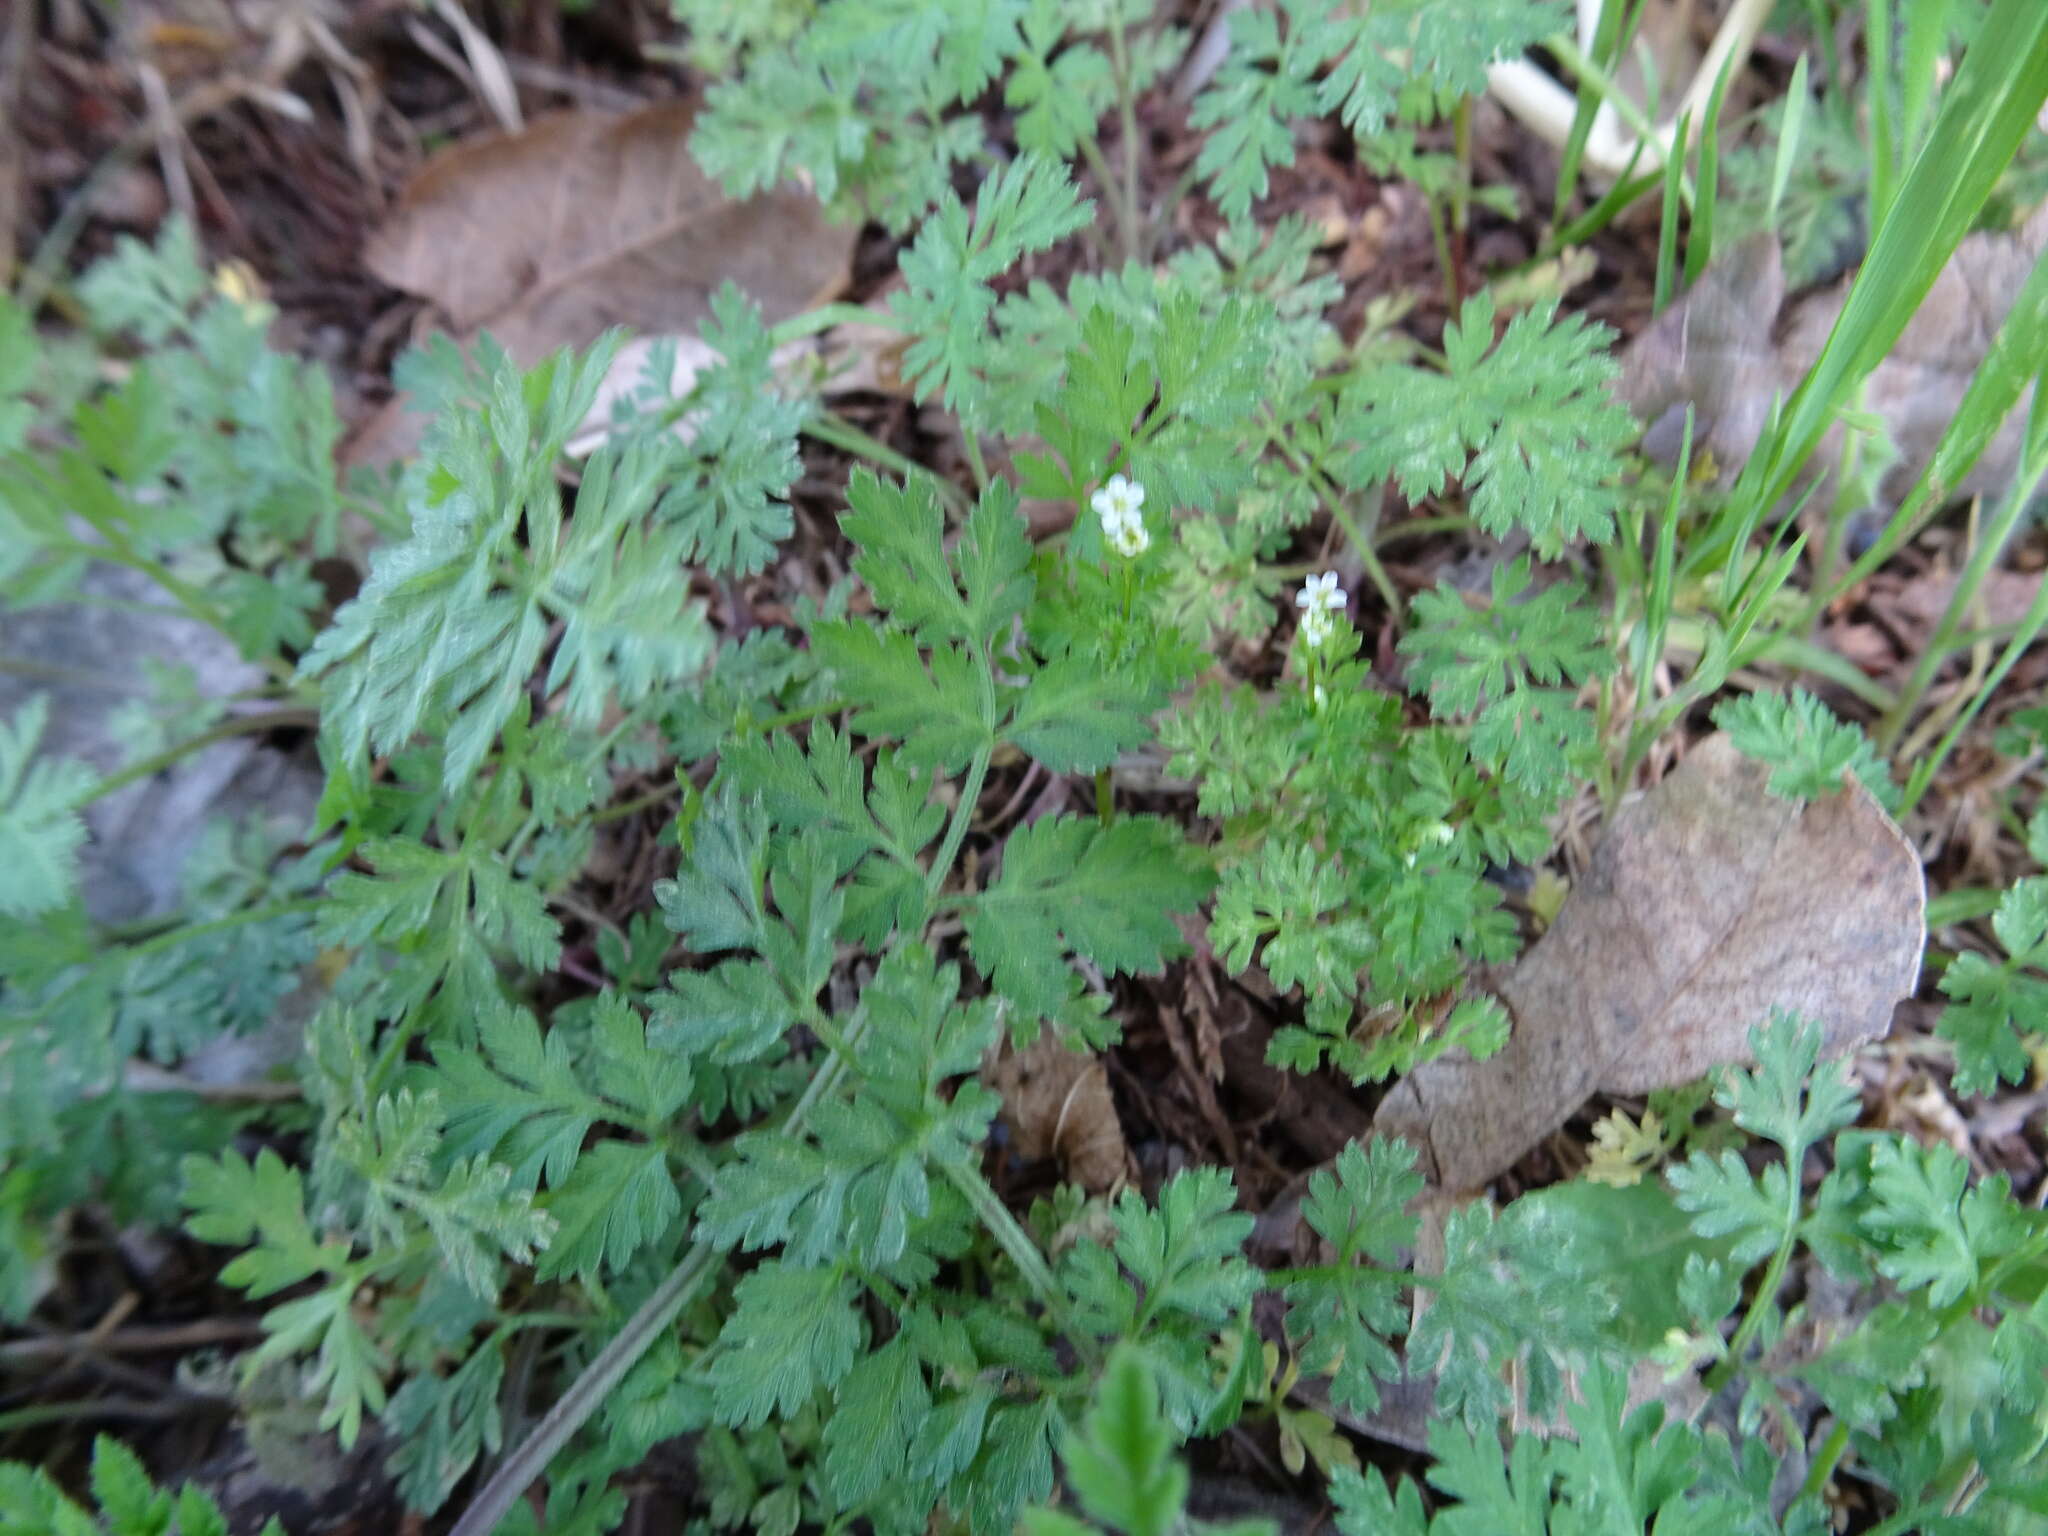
{"x": 1318, "y": 599}
{"x": 1117, "y": 504}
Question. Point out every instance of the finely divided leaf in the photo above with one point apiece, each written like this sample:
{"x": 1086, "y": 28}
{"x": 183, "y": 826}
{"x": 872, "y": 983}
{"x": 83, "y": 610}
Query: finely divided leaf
{"x": 1070, "y": 883}
{"x": 791, "y": 1331}
{"x": 1077, "y": 716}
{"x": 1027, "y": 206}
{"x": 621, "y": 1198}
{"x": 936, "y": 714}
{"x": 898, "y": 532}
{"x": 1805, "y": 744}
{"x": 40, "y": 832}
{"x": 1529, "y": 425}
{"x": 1341, "y": 1322}
{"x": 1996, "y": 1004}
{"x": 880, "y": 1407}
{"x": 234, "y": 1201}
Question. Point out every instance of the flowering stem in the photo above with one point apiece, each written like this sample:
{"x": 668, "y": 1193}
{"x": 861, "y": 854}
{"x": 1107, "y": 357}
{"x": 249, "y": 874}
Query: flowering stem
{"x": 1127, "y": 109}
{"x": 1334, "y": 504}
{"x": 975, "y": 462}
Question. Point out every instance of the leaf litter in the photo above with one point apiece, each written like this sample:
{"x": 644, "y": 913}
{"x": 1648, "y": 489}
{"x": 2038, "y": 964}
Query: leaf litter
{"x": 1709, "y": 905}
{"x": 1732, "y": 344}
{"x": 1057, "y": 1104}
{"x": 583, "y": 221}
{"x": 588, "y": 220}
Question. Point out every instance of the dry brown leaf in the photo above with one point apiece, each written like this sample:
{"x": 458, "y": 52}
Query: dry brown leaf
{"x": 1909, "y": 609}
{"x": 2003, "y": 598}
{"x": 1057, "y": 1104}
{"x": 1709, "y": 904}
{"x": 587, "y": 220}
{"x": 1726, "y": 349}
{"x": 1712, "y": 350}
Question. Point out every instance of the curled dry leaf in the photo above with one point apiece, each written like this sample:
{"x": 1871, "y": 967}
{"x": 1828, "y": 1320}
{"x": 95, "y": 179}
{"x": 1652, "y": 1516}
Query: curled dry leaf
{"x": 1057, "y": 1104}
{"x": 1709, "y": 904}
{"x": 588, "y": 220}
{"x": 1726, "y": 349}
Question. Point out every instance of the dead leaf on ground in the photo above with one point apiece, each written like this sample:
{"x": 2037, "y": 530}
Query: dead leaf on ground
{"x": 586, "y": 220}
{"x": 1709, "y": 904}
{"x": 2004, "y": 598}
{"x": 1908, "y": 611}
{"x": 1729, "y": 345}
{"x": 589, "y": 219}
{"x": 1057, "y": 1104}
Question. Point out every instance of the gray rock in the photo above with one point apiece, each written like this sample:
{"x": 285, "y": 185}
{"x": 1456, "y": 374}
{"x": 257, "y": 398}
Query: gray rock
{"x": 88, "y": 658}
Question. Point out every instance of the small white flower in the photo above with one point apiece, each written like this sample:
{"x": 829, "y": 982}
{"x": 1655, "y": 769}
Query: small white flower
{"x": 1320, "y": 595}
{"x": 1129, "y": 538}
{"x": 1118, "y": 502}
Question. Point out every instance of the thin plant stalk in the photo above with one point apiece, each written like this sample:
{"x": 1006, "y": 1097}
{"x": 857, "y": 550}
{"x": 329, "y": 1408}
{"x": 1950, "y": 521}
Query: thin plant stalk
{"x": 1940, "y": 645}
{"x": 1127, "y": 115}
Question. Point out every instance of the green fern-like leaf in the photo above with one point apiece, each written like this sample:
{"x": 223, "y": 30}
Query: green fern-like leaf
{"x": 40, "y": 831}
{"x": 1527, "y": 424}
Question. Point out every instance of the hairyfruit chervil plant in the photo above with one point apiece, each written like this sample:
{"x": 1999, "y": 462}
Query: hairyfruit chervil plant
{"x": 735, "y": 1188}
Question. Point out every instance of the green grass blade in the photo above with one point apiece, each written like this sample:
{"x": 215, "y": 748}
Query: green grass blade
{"x": 2018, "y": 357}
{"x": 1608, "y": 36}
{"x": 1879, "y": 101}
{"x": 1667, "y": 230}
{"x": 1796, "y": 98}
{"x": 1699, "y": 247}
{"x": 1985, "y": 113}
{"x": 1603, "y": 213}
{"x": 1919, "y": 62}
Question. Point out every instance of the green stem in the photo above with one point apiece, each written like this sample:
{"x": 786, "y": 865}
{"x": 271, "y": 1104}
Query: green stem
{"x": 630, "y": 807}
{"x": 956, "y": 829}
{"x": 970, "y": 789}
{"x": 1112, "y": 190}
{"x": 191, "y": 931}
{"x": 1766, "y": 1293}
{"x": 1461, "y": 185}
{"x": 183, "y": 934}
{"x": 1440, "y": 237}
{"x": 117, "y": 550}
{"x": 234, "y": 725}
{"x": 825, "y": 316}
{"x": 121, "y": 1410}
{"x": 1823, "y": 1468}
{"x": 971, "y": 441}
{"x": 1989, "y": 546}
{"x": 1605, "y": 781}
{"x": 1907, "y": 1520}
{"x": 1566, "y": 52}
{"x": 1127, "y": 111}
{"x": 1420, "y": 528}
{"x": 1333, "y": 503}
{"x": 799, "y": 716}
{"x": 1024, "y": 1253}
{"x": 836, "y": 431}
